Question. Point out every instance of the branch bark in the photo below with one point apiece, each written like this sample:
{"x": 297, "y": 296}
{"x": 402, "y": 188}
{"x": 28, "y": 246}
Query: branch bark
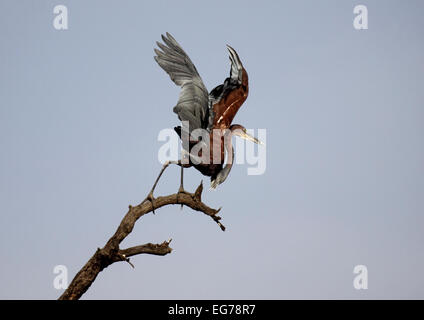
{"x": 112, "y": 253}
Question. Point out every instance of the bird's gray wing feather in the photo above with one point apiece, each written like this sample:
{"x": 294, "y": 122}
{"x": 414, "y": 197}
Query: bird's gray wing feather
{"x": 192, "y": 105}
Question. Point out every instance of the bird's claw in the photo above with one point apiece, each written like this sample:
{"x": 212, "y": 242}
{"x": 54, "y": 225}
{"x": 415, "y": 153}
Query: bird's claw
{"x": 151, "y": 198}
{"x": 180, "y": 190}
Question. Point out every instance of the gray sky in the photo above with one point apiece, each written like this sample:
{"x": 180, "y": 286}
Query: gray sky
{"x": 80, "y": 111}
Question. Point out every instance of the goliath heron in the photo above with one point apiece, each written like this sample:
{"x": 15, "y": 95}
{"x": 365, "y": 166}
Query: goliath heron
{"x": 199, "y": 110}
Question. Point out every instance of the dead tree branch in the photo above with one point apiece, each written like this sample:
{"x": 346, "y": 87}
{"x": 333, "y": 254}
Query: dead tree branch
{"x": 112, "y": 253}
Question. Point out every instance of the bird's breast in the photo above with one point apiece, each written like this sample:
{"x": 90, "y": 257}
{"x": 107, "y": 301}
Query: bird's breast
{"x": 210, "y": 170}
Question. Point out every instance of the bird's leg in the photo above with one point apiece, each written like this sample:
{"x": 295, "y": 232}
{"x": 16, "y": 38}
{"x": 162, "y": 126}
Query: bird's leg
{"x": 181, "y": 188}
{"x": 182, "y": 165}
{"x": 150, "y": 195}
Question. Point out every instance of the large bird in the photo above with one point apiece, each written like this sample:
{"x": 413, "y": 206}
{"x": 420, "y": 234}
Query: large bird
{"x": 212, "y": 112}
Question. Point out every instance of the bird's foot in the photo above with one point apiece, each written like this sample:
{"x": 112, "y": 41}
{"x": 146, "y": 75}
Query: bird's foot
{"x": 181, "y": 191}
{"x": 152, "y": 199}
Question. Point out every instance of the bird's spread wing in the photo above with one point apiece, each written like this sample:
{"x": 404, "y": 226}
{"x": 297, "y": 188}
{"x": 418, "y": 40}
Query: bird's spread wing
{"x": 192, "y": 104}
{"x": 226, "y": 99}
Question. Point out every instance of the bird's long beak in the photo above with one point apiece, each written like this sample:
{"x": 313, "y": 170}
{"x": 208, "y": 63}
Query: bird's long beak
{"x": 248, "y": 137}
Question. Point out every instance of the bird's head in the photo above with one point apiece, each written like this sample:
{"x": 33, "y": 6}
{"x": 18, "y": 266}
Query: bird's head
{"x": 240, "y": 131}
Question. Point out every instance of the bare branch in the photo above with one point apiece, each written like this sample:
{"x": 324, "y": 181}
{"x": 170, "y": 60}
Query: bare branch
{"x": 111, "y": 252}
{"x": 149, "y": 248}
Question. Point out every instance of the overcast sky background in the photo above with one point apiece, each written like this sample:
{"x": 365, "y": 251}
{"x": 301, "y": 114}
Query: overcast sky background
{"x": 81, "y": 109}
